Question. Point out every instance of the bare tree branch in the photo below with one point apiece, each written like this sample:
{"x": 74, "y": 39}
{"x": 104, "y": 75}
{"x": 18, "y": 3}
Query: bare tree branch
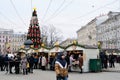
{"x": 50, "y": 35}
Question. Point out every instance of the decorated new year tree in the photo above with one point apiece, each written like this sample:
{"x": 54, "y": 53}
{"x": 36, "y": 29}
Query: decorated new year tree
{"x": 34, "y": 30}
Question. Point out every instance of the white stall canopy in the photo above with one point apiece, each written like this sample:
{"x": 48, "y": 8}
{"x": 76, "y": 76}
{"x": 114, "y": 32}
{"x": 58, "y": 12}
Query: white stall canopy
{"x": 57, "y": 49}
{"x": 43, "y": 50}
{"x": 30, "y": 51}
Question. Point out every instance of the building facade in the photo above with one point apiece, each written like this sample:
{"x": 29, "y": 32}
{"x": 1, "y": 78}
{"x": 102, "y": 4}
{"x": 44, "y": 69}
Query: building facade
{"x": 18, "y": 40}
{"x": 87, "y": 34}
{"x": 5, "y": 39}
{"x": 108, "y": 33}
{"x": 11, "y": 40}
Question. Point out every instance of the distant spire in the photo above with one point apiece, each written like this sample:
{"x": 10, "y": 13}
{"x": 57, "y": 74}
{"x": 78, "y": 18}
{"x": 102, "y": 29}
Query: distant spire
{"x": 34, "y": 12}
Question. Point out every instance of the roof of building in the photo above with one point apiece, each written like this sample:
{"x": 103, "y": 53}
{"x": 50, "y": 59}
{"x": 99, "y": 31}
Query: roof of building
{"x": 111, "y": 15}
{"x": 2, "y": 29}
{"x": 83, "y": 27}
{"x": 100, "y": 19}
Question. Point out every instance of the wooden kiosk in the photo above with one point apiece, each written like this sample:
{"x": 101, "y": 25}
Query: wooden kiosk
{"x": 87, "y": 52}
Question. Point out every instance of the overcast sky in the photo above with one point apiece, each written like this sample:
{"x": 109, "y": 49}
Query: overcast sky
{"x": 66, "y": 15}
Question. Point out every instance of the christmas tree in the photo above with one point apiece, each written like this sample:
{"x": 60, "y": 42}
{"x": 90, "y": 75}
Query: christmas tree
{"x": 34, "y": 30}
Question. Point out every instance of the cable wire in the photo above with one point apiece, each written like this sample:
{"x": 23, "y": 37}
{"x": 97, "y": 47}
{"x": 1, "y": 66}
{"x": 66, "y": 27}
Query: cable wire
{"x": 57, "y": 9}
{"x": 61, "y": 10}
{"x": 6, "y": 18}
{"x": 17, "y": 12}
{"x": 86, "y": 14}
{"x": 47, "y": 9}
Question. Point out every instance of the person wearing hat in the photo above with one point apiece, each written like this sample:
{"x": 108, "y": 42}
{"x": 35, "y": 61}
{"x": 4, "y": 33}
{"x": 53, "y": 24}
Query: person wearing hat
{"x": 61, "y": 67}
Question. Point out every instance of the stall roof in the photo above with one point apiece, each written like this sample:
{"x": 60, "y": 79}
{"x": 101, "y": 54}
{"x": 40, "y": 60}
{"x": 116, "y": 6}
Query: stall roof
{"x": 57, "y": 49}
{"x": 22, "y": 51}
{"x": 90, "y": 47}
{"x": 80, "y": 47}
{"x": 31, "y": 51}
{"x": 74, "y": 48}
{"x": 43, "y": 50}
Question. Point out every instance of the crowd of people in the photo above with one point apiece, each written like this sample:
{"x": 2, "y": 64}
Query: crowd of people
{"x": 61, "y": 63}
{"x": 25, "y": 64}
{"x": 108, "y": 60}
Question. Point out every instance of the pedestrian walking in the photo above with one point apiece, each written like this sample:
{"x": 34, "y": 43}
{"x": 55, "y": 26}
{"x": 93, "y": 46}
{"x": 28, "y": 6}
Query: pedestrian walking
{"x": 6, "y": 60}
{"x": 61, "y": 67}
{"x": 43, "y": 62}
{"x": 112, "y": 60}
{"x": 24, "y": 65}
{"x": 17, "y": 63}
{"x": 31, "y": 63}
{"x": 80, "y": 62}
{"x": 71, "y": 61}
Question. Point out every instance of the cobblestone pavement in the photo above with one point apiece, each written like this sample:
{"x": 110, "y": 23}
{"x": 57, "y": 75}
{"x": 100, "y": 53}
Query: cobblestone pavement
{"x": 50, "y": 75}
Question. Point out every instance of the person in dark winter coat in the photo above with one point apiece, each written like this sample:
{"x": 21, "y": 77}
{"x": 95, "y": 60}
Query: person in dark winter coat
{"x": 61, "y": 67}
{"x": 111, "y": 60}
{"x": 102, "y": 56}
{"x": 35, "y": 61}
{"x": 1, "y": 62}
{"x": 50, "y": 62}
{"x": 6, "y": 61}
{"x": 17, "y": 63}
{"x": 31, "y": 63}
{"x": 11, "y": 64}
{"x": 67, "y": 58}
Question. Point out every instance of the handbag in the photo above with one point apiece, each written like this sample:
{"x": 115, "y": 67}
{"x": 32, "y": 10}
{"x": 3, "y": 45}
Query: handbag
{"x": 28, "y": 65}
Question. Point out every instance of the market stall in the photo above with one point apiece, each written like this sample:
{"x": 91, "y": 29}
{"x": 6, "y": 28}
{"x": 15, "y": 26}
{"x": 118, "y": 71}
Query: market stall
{"x": 87, "y": 52}
{"x": 44, "y": 51}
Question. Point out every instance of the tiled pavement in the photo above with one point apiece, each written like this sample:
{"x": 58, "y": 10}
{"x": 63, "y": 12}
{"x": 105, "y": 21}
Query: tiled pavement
{"x": 116, "y": 69}
{"x": 50, "y": 75}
